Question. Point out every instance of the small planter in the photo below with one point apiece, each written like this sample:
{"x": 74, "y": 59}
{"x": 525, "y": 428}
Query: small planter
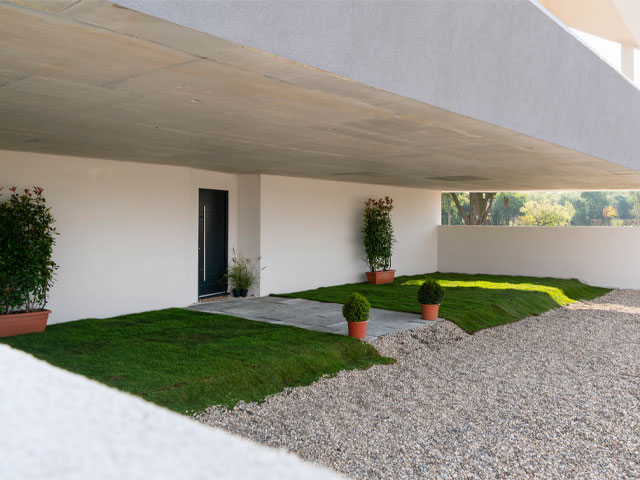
{"x": 20, "y": 323}
{"x": 357, "y": 329}
{"x": 430, "y": 312}
{"x": 236, "y": 292}
{"x": 244, "y": 292}
{"x": 381, "y": 276}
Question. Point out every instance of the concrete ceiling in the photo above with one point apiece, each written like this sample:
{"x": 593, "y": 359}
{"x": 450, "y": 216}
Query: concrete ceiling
{"x": 92, "y": 79}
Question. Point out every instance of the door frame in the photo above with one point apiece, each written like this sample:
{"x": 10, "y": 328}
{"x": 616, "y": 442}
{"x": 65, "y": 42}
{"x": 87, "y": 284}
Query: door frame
{"x": 226, "y": 244}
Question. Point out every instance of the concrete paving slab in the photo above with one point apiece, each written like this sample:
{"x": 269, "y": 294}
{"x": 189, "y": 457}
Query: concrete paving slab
{"x": 310, "y": 315}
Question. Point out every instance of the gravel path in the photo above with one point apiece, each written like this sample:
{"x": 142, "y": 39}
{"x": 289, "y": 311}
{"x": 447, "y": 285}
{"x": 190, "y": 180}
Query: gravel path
{"x": 553, "y": 396}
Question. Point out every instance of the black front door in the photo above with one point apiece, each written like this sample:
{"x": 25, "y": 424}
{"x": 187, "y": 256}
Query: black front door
{"x": 212, "y": 242}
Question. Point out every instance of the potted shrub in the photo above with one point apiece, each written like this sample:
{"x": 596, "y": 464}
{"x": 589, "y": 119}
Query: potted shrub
{"x": 377, "y": 235}
{"x": 430, "y": 295}
{"x": 242, "y": 274}
{"x": 356, "y": 312}
{"x": 27, "y": 237}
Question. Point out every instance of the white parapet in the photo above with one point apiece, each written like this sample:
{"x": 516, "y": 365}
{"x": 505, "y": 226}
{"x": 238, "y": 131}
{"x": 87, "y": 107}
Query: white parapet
{"x": 59, "y": 425}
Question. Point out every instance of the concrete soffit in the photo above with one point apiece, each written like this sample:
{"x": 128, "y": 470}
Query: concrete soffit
{"x": 94, "y": 79}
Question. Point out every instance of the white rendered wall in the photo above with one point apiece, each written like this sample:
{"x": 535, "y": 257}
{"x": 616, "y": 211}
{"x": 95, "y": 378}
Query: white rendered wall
{"x": 59, "y": 425}
{"x": 600, "y": 256}
{"x": 249, "y": 222}
{"x": 128, "y": 232}
{"x": 311, "y": 232}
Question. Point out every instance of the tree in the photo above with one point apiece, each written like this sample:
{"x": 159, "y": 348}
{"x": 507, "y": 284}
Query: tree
{"x": 506, "y": 208}
{"x": 546, "y": 214}
{"x": 447, "y": 205}
{"x": 594, "y": 202}
{"x": 479, "y": 207}
{"x": 609, "y": 213}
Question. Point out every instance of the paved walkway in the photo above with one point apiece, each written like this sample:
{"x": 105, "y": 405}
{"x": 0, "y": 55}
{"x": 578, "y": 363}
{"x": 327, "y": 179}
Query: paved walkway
{"x": 320, "y": 316}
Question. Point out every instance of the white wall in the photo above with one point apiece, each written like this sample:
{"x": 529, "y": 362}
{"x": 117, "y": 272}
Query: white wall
{"x": 128, "y": 231}
{"x": 249, "y": 221}
{"x": 601, "y": 256}
{"x": 56, "y": 424}
{"x": 311, "y": 232}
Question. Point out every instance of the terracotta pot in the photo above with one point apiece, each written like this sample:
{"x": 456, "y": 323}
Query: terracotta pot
{"x": 381, "y": 276}
{"x": 19, "y": 323}
{"x": 357, "y": 329}
{"x": 429, "y": 312}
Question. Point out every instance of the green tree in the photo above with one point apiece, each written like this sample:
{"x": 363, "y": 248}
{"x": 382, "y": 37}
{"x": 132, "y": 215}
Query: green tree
{"x": 449, "y": 213}
{"x": 546, "y": 214}
{"x": 594, "y": 202}
{"x": 507, "y": 208}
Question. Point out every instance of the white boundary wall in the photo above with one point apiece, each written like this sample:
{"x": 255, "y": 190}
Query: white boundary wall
{"x": 602, "y": 256}
{"x": 311, "y": 232}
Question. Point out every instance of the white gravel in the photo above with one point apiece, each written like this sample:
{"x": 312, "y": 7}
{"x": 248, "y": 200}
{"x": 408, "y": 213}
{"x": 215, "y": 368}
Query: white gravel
{"x": 553, "y": 396}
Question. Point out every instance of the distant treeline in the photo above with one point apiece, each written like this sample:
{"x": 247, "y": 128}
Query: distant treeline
{"x": 617, "y": 208}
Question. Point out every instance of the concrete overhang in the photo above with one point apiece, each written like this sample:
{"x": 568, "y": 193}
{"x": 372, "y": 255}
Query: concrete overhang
{"x": 277, "y": 88}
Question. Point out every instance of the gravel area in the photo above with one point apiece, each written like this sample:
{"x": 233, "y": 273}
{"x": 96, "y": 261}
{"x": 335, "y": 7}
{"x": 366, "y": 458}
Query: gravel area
{"x": 552, "y": 396}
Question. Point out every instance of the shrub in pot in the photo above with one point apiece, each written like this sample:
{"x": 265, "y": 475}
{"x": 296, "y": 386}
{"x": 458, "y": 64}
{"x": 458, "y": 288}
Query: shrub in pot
{"x": 377, "y": 236}
{"x": 356, "y": 312}
{"x": 242, "y": 274}
{"x": 430, "y": 295}
{"x": 27, "y": 237}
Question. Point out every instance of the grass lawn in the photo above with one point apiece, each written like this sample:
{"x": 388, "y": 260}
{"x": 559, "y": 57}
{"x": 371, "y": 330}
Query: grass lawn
{"x": 473, "y": 302}
{"x": 187, "y": 361}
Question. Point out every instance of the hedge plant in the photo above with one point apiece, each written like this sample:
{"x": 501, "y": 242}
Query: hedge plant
{"x": 356, "y": 308}
{"x": 27, "y": 237}
{"x": 377, "y": 233}
{"x": 430, "y": 292}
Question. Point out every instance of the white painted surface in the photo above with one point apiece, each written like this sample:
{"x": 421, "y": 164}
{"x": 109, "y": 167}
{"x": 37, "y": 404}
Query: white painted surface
{"x": 311, "y": 232}
{"x": 249, "y": 222}
{"x": 128, "y": 232}
{"x": 58, "y": 425}
{"x": 601, "y": 256}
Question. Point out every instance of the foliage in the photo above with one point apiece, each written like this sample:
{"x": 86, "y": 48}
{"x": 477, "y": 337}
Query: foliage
{"x": 546, "y": 214}
{"x": 356, "y": 308}
{"x": 377, "y": 233}
{"x": 479, "y": 207}
{"x": 187, "y": 360}
{"x": 609, "y": 212}
{"x": 507, "y": 208}
{"x": 473, "y": 302}
{"x": 588, "y": 207}
{"x": 243, "y": 273}
{"x": 27, "y": 238}
{"x": 450, "y": 214}
{"x": 430, "y": 292}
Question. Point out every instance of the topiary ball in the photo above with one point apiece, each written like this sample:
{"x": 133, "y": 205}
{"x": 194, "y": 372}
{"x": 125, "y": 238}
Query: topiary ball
{"x": 430, "y": 292}
{"x": 356, "y": 308}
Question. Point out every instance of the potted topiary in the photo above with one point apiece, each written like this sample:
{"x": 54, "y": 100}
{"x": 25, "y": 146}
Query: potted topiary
{"x": 356, "y": 311}
{"x": 242, "y": 274}
{"x": 27, "y": 237}
{"x": 430, "y": 295}
{"x": 377, "y": 235}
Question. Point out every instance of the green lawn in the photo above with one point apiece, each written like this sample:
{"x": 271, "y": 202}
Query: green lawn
{"x": 473, "y": 302}
{"x": 187, "y": 361}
